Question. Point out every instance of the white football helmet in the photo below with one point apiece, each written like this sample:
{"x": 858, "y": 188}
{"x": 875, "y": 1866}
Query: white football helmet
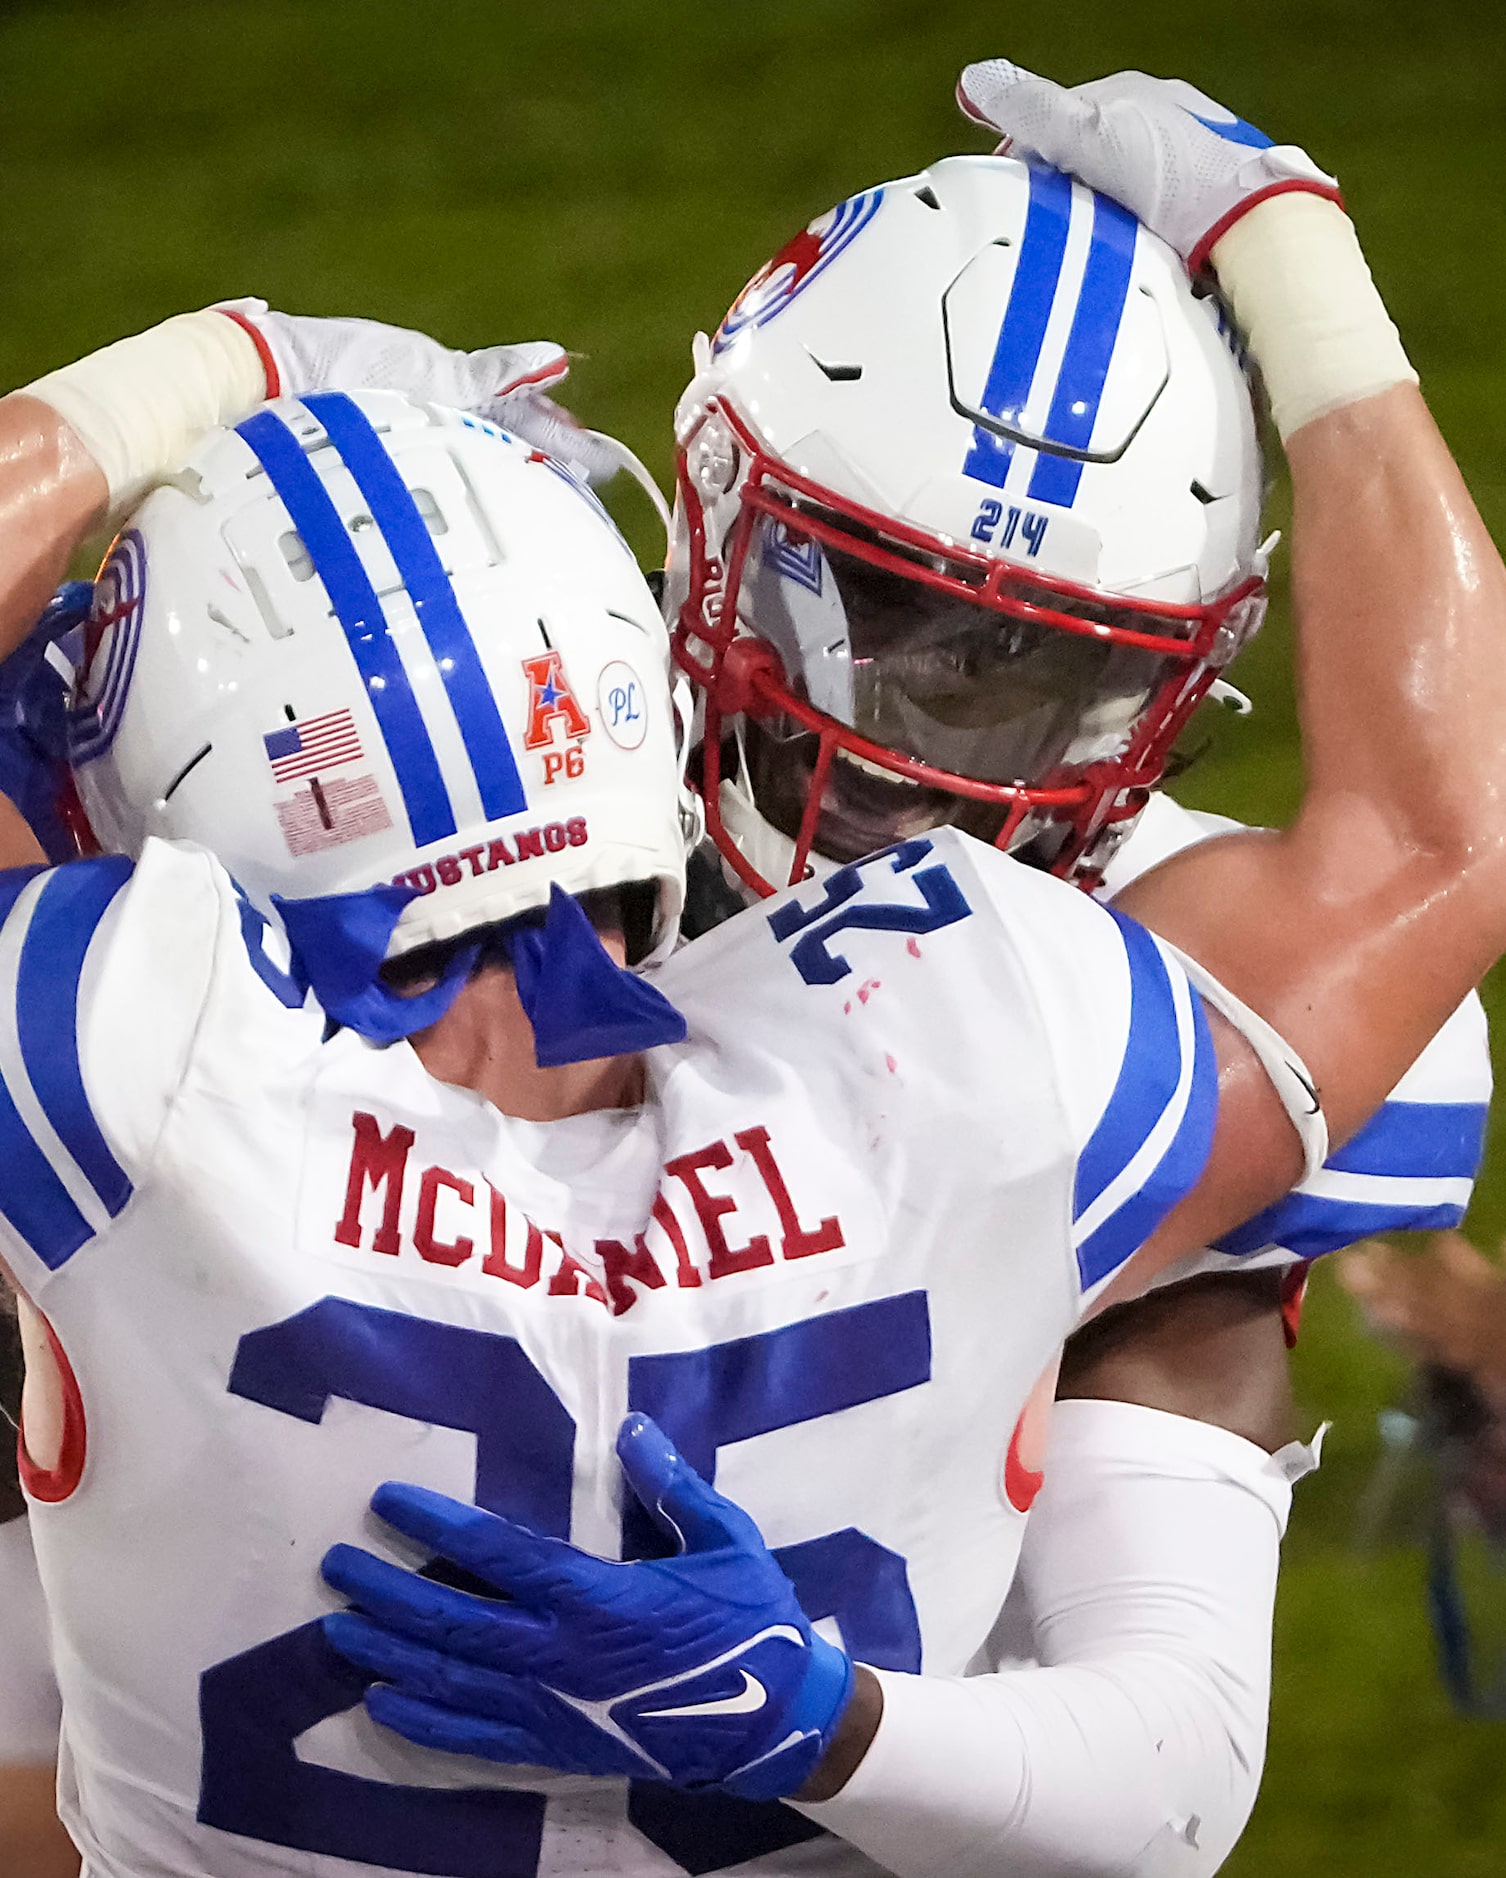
{"x": 967, "y": 523}
{"x": 359, "y": 639}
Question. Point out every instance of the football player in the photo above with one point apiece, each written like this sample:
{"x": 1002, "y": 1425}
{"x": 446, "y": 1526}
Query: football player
{"x": 259, "y": 1240}
{"x": 460, "y": 1701}
{"x": 950, "y": 428}
{"x": 983, "y": 355}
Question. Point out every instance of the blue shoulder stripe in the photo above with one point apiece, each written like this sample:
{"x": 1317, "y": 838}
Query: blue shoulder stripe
{"x": 1155, "y": 1057}
{"x": 359, "y": 611}
{"x": 433, "y": 596}
{"x": 1422, "y": 1140}
{"x": 52, "y": 963}
{"x": 1309, "y": 1225}
{"x": 12, "y": 884}
{"x": 32, "y": 1195}
{"x": 1148, "y": 1074}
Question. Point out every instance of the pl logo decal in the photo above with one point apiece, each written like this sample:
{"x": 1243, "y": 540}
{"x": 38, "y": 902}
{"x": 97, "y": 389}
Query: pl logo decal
{"x": 796, "y": 265}
{"x": 112, "y": 634}
{"x": 619, "y": 698}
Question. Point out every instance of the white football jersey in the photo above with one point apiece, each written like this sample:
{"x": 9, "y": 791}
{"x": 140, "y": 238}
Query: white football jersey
{"x": 1411, "y": 1168}
{"x": 927, "y": 1107}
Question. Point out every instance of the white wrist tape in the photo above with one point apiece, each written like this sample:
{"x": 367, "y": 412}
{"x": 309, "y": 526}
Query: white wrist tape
{"x": 1293, "y": 272}
{"x": 140, "y": 405}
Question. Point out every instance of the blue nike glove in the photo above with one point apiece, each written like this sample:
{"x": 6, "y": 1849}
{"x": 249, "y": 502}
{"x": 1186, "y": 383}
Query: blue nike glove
{"x": 700, "y": 1670}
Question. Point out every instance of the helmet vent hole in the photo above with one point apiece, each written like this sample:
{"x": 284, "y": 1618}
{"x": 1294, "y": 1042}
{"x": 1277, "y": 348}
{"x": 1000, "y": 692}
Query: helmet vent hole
{"x": 838, "y": 374}
{"x": 544, "y": 635}
{"x": 182, "y": 775}
{"x": 1205, "y": 496}
{"x": 927, "y": 195}
{"x": 428, "y": 507}
{"x": 300, "y": 561}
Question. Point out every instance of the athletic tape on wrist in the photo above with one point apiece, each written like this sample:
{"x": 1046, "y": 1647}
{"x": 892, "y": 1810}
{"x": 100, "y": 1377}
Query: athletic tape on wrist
{"x": 139, "y": 406}
{"x": 1293, "y": 271}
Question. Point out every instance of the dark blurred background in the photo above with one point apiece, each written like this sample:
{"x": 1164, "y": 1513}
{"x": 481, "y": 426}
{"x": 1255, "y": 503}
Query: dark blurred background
{"x": 607, "y": 174}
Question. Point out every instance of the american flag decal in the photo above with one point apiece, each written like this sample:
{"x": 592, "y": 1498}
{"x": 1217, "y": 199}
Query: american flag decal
{"x": 312, "y": 746}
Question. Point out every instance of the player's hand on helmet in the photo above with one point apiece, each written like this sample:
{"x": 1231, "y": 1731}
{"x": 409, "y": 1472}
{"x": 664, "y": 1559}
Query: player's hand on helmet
{"x": 700, "y": 1670}
{"x": 301, "y": 353}
{"x": 1184, "y": 165}
{"x": 508, "y": 384}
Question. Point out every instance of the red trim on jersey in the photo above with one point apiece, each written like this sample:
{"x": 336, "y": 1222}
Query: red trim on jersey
{"x": 1198, "y": 259}
{"x": 1021, "y": 1483}
{"x": 1293, "y": 1297}
{"x": 263, "y": 351}
{"x": 52, "y": 1484}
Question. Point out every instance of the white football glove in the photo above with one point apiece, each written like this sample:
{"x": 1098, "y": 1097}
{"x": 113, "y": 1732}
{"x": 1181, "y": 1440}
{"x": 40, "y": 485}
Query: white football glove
{"x": 300, "y": 353}
{"x": 507, "y": 384}
{"x": 1181, "y": 163}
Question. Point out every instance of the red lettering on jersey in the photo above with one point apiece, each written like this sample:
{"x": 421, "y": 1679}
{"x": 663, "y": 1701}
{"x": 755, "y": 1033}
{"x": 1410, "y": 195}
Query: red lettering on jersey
{"x": 448, "y": 869}
{"x": 473, "y": 855}
{"x": 575, "y": 831}
{"x": 497, "y": 851}
{"x": 530, "y": 844}
{"x": 376, "y": 1160}
{"x": 497, "y": 1264}
{"x": 621, "y": 1264}
{"x": 710, "y": 1207}
{"x": 550, "y": 699}
{"x": 686, "y": 1275}
{"x": 571, "y": 1280}
{"x": 798, "y": 1242}
{"x": 554, "y": 837}
{"x": 439, "y": 1251}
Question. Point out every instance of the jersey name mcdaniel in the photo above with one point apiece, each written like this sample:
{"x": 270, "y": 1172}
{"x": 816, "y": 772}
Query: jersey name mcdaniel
{"x": 691, "y": 1234}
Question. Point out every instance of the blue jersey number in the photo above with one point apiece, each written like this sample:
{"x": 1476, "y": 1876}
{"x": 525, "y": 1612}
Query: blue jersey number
{"x": 847, "y": 906}
{"x": 253, "y": 1707}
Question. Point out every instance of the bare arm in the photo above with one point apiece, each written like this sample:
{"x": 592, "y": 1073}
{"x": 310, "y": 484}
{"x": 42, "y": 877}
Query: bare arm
{"x": 52, "y": 496}
{"x": 1361, "y": 926}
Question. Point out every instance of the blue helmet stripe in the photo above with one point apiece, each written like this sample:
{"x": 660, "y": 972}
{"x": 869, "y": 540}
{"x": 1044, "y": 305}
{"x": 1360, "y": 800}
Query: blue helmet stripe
{"x": 359, "y": 611}
{"x": 1090, "y": 347}
{"x": 397, "y": 515}
{"x": 1023, "y": 330}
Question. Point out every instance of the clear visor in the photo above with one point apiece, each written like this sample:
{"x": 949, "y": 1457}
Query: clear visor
{"x": 1007, "y": 691}
{"x": 982, "y": 694}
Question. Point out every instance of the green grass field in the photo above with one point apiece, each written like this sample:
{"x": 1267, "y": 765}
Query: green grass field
{"x": 608, "y": 175}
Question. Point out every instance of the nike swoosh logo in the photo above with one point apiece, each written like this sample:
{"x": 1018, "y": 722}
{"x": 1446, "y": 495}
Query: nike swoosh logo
{"x": 1308, "y": 1084}
{"x": 748, "y": 1700}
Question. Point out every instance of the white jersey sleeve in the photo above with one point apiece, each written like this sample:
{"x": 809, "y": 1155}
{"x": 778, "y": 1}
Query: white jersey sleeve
{"x": 1134, "y": 1063}
{"x": 106, "y": 969}
{"x": 1054, "y": 1030}
{"x": 1412, "y": 1167}
{"x": 30, "y": 1707}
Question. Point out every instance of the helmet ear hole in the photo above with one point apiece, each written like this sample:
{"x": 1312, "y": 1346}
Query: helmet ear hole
{"x": 639, "y": 904}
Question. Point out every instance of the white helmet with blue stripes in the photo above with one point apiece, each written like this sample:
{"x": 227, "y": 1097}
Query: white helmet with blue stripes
{"x": 359, "y": 640}
{"x": 967, "y": 522}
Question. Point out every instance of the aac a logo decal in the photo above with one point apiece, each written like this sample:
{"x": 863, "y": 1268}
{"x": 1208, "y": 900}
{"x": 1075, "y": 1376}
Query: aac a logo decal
{"x": 550, "y": 699}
